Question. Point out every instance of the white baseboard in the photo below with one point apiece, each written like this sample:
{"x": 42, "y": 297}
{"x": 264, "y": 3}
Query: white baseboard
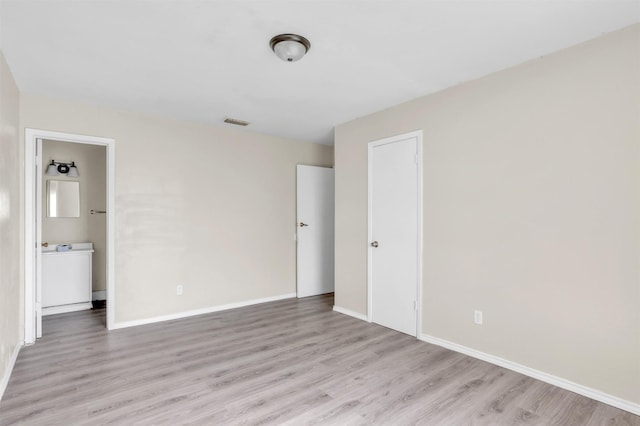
{"x": 99, "y": 295}
{"x": 537, "y": 374}
{"x": 350, "y": 313}
{"x": 63, "y": 309}
{"x": 194, "y": 312}
{"x": 9, "y": 369}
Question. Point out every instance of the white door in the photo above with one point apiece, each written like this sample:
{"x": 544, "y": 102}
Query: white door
{"x": 314, "y": 235}
{"x": 38, "y": 235}
{"x": 394, "y": 232}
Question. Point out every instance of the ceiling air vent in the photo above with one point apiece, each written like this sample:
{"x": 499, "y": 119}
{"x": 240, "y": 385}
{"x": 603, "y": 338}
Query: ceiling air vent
{"x": 236, "y": 122}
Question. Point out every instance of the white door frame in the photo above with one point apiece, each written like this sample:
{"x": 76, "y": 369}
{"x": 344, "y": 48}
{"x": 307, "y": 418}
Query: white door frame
{"x": 418, "y": 135}
{"x": 30, "y": 275}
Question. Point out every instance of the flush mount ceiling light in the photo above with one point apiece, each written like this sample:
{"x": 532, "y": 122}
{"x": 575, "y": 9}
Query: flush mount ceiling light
{"x": 290, "y": 47}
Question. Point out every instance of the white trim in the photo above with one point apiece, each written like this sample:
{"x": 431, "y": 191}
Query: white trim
{"x": 351, "y": 313}
{"x": 417, "y": 134}
{"x": 29, "y": 238}
{"x": 537, "y": 374}
{"x": 30, "y": 137}
{"x": 38, "y": 236}
{"x": 201, "y": 311}
{"x": 9, "y": 369}
{"x": 99, "y": 295}
{"x": 369, "y": 232}
{"x": 111, "y": 234}
{"x": 63, "y": 309}
{"x": 420, "y": 235}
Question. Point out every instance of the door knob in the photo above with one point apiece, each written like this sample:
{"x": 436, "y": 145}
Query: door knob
{"x": 374, "y": 244}
{"x": 303, "y": 224}
{"x": 45, "y": 244}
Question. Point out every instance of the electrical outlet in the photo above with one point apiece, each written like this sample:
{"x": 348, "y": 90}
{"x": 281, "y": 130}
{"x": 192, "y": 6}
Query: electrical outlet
{"x": 179, "y": 290}
{"x": 477, "y": 317}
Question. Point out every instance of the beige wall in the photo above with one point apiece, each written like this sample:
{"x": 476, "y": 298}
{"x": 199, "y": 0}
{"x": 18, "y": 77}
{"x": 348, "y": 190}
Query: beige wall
{"x": 91, "y": 161}
{"x": 211, "y": 208}
{"x": 531, "y": 212}
{"x": 11, "y": 321}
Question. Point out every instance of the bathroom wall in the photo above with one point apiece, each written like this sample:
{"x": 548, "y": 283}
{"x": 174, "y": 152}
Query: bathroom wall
{"x": 91, "y": 161}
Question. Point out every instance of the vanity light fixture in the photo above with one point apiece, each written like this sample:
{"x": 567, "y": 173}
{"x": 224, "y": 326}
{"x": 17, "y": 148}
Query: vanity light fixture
{"x": 56, "y": 168}
{"x": 290, "y": 47}
{"x": 73, "y": 170}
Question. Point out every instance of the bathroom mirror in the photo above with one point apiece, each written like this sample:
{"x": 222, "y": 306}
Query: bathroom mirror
{"x": 63, "y": 198}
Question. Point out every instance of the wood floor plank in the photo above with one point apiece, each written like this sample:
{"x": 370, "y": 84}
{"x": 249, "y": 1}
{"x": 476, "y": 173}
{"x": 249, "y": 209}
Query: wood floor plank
{"x": 293, "y": 362}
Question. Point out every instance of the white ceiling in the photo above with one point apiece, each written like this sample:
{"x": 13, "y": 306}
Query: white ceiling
{"x": 206, "y": 60}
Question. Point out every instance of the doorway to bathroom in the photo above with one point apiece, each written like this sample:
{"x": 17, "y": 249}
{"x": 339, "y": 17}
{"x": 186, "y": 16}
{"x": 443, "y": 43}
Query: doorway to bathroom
{"x": 69, "y": 200}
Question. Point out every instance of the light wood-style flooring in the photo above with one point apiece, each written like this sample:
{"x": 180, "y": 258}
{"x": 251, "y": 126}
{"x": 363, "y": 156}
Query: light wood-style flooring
{"x": 292, "y": 362}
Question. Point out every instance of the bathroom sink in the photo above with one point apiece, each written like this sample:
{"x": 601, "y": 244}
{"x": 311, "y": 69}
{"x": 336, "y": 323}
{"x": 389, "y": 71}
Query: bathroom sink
{"x": 75, "y": 248}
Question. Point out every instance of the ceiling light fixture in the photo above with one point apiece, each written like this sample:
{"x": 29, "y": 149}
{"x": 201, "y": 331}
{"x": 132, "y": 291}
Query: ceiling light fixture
{"x": 290, "y": 47}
